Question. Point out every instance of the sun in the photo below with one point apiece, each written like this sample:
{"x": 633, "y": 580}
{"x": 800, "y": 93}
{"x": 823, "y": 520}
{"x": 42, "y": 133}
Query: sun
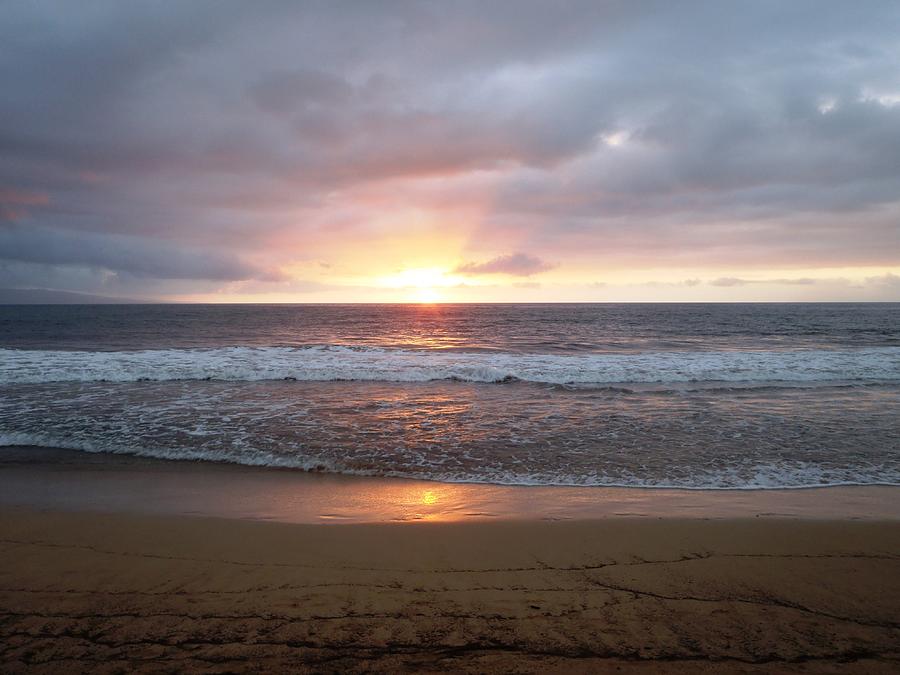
{"x": 425, "y": 285}
{"x": 427, "y": 295}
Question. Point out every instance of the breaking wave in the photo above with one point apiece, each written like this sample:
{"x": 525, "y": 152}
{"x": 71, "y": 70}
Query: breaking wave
{"x": 327, "y": 363}
{"x": 780, "y": 475}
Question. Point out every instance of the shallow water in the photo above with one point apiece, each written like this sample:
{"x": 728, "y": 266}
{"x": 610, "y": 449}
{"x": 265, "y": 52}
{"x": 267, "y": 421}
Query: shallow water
{"x": 41, "y": 478}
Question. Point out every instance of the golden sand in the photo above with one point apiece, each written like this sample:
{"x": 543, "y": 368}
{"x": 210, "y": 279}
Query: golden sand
{"x": 122, "y": 593}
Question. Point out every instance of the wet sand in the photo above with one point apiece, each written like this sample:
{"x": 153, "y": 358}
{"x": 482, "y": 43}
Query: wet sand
{"x": 104, "y": 592}
{"x": 67, "y": 480}
{"x": 121, "y": 564}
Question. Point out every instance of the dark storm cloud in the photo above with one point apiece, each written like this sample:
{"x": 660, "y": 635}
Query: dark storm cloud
{"x": 121, "y": 254}
{"x": 515, "y": 264}
{"x": 178, "y": 140}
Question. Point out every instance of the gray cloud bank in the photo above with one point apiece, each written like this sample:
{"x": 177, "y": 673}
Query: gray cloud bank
{"x": 174, "y": 141}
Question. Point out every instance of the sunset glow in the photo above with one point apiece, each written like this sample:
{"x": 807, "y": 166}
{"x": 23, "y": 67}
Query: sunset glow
{"x": 584, "y": 154}
{"x": 427, "y": 296}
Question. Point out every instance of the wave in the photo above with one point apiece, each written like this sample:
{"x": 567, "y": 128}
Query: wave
{"x": 762, "y": 476}
{"x": 327, "y": 363}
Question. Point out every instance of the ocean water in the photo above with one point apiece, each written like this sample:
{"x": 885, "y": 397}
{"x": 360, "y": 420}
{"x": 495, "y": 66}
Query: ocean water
{"x": 671, "y": 395}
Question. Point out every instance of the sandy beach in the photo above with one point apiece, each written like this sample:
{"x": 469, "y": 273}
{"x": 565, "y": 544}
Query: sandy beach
{"x": 116, "y": 593}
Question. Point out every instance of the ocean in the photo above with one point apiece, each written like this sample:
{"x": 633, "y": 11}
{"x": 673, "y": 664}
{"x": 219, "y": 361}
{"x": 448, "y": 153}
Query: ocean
{"x": 703, "y": 396}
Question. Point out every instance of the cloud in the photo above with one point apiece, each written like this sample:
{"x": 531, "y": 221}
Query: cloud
{"x": 13, "y": 202}
{"x": 12, "y": 196}
{"x": 125, "y": 255}
{"x": 515, "y": 264}
{"x": 215, "y": 139}
{"x": 889, "y": 280}
{"x": 802, "y": 281}
{"x": 728, "y": 281}
{"x": 735, "y": 281}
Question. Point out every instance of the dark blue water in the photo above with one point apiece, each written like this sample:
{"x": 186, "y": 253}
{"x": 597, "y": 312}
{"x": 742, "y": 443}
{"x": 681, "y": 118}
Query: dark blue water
{"x": 551, "y": 328}
{"x": 690, "y": 395}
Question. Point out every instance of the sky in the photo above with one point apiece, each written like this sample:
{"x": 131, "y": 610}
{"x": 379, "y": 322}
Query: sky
{"x": 451, "y": 151}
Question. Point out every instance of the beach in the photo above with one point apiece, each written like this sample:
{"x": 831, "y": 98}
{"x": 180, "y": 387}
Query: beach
{"x": 127, "y": 592}
{"x": 123, "y": 564}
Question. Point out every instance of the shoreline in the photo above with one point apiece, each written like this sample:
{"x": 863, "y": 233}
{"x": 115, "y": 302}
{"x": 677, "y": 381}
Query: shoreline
{"x": 112, "y": 563}
{"x": 148, "y": 593}
{"x": 16, "y": 457}
{"x": 71, "y": 480}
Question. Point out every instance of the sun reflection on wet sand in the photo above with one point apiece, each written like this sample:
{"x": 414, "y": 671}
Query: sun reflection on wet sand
{"x": 411, "y": 502}
{"x": 123, "y": 483}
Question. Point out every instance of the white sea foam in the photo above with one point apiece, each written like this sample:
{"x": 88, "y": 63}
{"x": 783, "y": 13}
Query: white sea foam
{"x": 779, "y": 475}
{"x": 374, "y": 364}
